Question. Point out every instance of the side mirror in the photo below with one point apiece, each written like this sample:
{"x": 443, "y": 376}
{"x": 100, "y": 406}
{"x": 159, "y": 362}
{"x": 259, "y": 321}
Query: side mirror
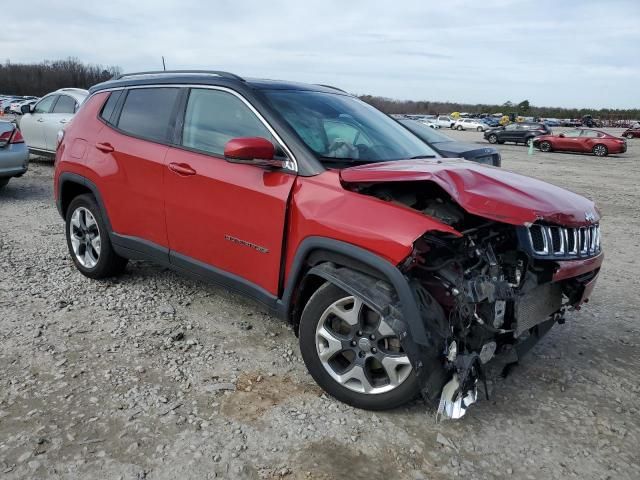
{"x": 561, "y": 135}
{"x": 252, "y": 151}
{"x": 25, "y": 109}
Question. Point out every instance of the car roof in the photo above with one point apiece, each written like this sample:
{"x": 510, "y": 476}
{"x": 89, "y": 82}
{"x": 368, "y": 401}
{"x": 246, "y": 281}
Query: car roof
{"x": 208, "y": 77}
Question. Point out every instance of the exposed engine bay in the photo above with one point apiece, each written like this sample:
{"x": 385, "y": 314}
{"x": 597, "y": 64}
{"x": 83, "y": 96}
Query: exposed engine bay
{"x": 487, "y": 293}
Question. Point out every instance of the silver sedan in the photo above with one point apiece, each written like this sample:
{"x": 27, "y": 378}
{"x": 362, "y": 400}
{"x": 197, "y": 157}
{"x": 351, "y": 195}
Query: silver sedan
{"x": 14, "y": 154}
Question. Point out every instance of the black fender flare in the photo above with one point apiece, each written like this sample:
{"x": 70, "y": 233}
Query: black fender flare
{"x": 69, "y": 177}
{"x": 405, "y": 297}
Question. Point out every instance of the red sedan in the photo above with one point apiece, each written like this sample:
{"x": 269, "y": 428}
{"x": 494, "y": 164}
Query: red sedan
{"x": 582, "y": 140}
{"x": 632, "y": 132}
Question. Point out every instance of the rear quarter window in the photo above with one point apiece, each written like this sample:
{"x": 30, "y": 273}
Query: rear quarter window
{"x": 110, "y": 106}
{"x": 147, "y": 113}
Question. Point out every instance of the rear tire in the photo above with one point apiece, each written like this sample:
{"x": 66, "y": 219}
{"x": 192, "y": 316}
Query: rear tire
{"x": 88, "y": 240}
{"x": 335, "y": 373}
{"x": 480, "y": 129}
{"x": 545, "y": 146}
{"x": 600, "y": 150}
{"x": 629, "y": 135}
{"x": 493, "y": 138}
{"x": 4, "y": 182}
{"x": 528, "y": 141}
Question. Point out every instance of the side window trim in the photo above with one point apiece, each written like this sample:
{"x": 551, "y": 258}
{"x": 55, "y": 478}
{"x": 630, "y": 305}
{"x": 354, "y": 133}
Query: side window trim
{"x": 291, "y": 164}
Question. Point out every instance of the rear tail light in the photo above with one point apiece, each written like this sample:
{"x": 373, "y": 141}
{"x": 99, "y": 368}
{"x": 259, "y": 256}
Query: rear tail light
{"x": 11, "y": 136}
{"x": 17, "y": 137}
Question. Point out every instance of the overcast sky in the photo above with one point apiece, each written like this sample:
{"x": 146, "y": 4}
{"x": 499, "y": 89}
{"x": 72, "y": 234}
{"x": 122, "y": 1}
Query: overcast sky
{"x": 570, "y": 53}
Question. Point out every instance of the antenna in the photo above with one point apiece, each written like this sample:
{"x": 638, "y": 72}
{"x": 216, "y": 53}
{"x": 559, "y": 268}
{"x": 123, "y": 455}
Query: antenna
{"x": 164, "y": 67}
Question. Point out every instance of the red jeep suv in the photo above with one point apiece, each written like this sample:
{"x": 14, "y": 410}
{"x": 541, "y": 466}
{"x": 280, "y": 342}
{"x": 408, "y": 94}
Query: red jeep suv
{"x": 402, "y": 272}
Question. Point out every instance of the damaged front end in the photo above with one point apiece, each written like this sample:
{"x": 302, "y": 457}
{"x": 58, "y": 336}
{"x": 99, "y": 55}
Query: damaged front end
{"x": 487, "y": 293}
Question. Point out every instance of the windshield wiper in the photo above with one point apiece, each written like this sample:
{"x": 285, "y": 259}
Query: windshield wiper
{"x": 422, "y": 156}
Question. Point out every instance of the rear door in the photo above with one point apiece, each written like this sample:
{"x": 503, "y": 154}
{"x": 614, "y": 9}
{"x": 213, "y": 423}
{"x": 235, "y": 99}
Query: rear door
{"x": 32, "y": 124}
{"x": 134, "y": 146}
{"x": 60, "y": 115}
{"x": 224, "y": 215}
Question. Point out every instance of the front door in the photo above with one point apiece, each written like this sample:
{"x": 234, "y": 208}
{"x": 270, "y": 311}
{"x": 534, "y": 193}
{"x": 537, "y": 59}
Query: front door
{"x": 224, "y": 215}
{"x": 32, "y": 124}
{"x": 569, "y": 141}
{"x": 55, "y": 121}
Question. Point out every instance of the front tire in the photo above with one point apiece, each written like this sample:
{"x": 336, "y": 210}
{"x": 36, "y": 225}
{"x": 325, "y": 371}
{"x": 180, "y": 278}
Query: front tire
{"x": 459, "y": 128}
{"x": 545, "y": 146}
{"x": 480, "y": 129}
{"x": 352, "y": 353}
{"x": 4, "y": 182}
{"x": 600, "y": 150}
{"x": 629, "y": 135}
{"x": 88, "y": 240}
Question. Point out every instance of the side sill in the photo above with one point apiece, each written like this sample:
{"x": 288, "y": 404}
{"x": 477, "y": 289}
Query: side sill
{"x": 138, "y": 249}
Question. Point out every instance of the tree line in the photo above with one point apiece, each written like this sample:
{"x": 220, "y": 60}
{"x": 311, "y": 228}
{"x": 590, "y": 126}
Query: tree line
{"x": 390, "y": 106}
{"x": 41, "y": 78}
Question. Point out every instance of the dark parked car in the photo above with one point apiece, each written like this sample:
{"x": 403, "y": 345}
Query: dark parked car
{"x": 631, "y": 133}
{"x": 517, "y": 132}
{"x": 582, "y": 140}
{"x": 447, "y": 147}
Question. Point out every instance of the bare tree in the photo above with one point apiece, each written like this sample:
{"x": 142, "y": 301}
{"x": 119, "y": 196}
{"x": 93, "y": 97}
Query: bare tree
{"x": 42, "y": 78}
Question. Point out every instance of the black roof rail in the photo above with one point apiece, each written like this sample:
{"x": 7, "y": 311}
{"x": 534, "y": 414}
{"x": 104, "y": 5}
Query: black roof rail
{"x": 331, "y": 87}
{"x": 219, "y": 73}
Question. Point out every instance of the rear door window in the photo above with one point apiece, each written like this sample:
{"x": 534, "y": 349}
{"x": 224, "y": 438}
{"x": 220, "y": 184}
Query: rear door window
{"x": 147, "y": 113}
{"x": 45, "y": 105}
{"x": 214, "y": 117}
{"x": 65, "y": 104}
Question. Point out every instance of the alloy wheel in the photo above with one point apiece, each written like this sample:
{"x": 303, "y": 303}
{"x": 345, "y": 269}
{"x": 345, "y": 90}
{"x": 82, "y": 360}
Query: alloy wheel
{"x": 545, "y": 146}
{"x": 600, "y": 150}
{"x": 359, "y": 350}
{"x": 85, "y": 237}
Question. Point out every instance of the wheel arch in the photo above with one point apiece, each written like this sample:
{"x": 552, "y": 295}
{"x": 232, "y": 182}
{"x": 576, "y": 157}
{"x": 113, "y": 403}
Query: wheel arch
{"x": 306, "y": 275}
{"x": 70, "y": 185}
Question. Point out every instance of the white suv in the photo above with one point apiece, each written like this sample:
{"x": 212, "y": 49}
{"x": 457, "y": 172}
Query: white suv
{"x": 470, "y": 124}
{"x": 445, "y": 121}
{"x": 41, "y": 122}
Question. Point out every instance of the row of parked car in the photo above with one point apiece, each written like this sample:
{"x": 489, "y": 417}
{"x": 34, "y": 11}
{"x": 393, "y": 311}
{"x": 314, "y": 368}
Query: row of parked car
{"x": 13, "y": 104}
{"x": 42, "y": 119}
{"x": 582, "y": 140}
{"x": 39, "y": 123}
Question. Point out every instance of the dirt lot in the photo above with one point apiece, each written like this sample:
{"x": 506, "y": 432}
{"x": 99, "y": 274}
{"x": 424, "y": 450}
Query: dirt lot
{"x": 157, "y": 376}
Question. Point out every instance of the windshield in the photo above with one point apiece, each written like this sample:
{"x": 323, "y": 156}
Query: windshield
{"x": 425, "y": 132}
{"x": 343, "y": 128}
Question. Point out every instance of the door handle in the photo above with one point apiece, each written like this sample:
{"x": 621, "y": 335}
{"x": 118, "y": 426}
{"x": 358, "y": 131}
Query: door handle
{"x": 182, "y": 169}
{"x": 104, "y": 147}
{"x": 40, "y": 120}
{"x": 64, "y": 121}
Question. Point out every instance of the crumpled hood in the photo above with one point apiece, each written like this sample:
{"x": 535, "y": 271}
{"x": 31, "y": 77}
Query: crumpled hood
{"x": 485, "y": 191}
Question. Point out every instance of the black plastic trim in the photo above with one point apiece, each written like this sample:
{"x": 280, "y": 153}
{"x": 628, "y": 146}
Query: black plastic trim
{"x": 394, "y": 276}
{"x": 139, "y": 249}
{"x": 215, "y": 275}
{"x": 67, "y": 177}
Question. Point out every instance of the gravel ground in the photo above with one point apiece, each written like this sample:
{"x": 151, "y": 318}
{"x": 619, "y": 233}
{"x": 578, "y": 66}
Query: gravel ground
{"x": 156, "y": 376}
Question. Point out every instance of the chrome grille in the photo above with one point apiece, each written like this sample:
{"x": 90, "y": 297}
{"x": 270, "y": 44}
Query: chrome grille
{"x": 558, "y": 242}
